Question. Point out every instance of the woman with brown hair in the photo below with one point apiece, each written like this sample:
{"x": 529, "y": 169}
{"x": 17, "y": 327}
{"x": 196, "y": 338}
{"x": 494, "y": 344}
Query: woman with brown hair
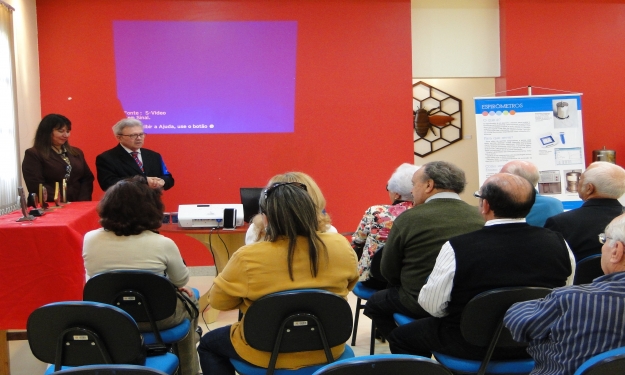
{"x": 294, "y": 255}
{"x": 52, "y": 160}
{"x": 130, "y": 214}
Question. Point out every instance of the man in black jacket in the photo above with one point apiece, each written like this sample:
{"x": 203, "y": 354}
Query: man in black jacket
{"x": 599, "y": 187}
{"x": 129, "y": 159}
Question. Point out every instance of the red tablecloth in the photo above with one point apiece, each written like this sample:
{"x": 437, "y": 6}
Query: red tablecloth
{"x": 41, "y": 261}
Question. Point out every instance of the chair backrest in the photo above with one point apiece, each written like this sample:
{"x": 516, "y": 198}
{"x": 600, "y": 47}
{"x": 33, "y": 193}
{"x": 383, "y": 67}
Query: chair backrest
{"x": 383, "y": 364}
{"x": 82, "y": 333}
{"x": 126, "y": 289}
{"x": 110, "y": 370}
{"x": 376, "y": 262}
{"x": 482, "y": 317}
{"x": 608, "y": 363}
{"x": 304, "y": 312}
{"x": 588, "y": 269}
{"x": 249, "y": 200}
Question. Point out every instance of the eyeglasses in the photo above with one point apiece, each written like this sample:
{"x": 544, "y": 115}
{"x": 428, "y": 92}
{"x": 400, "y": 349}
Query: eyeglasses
{"x": 603, "y": 238}
{"x": 133, "y": 136}
{"x": 478, "y": 195}
{"x": 268, "y": 191}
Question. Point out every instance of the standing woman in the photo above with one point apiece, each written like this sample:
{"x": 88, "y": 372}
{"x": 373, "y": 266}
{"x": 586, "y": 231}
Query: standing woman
{"x": 294, "y": 255}
{"x": 52, "y": 159}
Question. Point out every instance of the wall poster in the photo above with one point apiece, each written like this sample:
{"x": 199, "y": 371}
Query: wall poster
{"x": 543, "y": 129}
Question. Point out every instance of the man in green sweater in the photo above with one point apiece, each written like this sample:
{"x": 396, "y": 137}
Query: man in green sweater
{"x": 416, "y": 238}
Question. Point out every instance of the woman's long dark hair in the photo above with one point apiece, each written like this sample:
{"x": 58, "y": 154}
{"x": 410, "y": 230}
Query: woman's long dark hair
{"x": 291, "y": 213}
{"x": 130, "y": 207}
{"x": 43, "y": 136}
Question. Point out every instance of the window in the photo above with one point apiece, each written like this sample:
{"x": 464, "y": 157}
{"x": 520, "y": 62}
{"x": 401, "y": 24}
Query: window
{"x": 9, "y": 173}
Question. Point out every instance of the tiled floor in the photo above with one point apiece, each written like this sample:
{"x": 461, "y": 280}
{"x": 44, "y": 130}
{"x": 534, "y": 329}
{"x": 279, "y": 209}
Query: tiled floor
{"x": 23, "y": 362}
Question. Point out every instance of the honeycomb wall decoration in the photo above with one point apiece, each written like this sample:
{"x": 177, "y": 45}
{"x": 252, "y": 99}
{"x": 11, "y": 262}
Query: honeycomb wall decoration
{"x": 439, "y": 103}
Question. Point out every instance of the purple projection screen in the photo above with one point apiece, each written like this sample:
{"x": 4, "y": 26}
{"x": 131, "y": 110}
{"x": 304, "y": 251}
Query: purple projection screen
{"x": 181, "y": 77}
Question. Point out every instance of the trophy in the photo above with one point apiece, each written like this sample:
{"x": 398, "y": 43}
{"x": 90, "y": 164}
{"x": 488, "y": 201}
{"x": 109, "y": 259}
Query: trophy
{"x": 64, "y": 190}
{"x": 43, "y": 195}
{"x": 57, "y": 195}
{"x": 33, "y": 201}
{"x": 22, "y": 202}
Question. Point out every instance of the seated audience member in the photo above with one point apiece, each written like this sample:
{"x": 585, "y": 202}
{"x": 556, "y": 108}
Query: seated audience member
{"x": 600, "y": 186}
{"x": 52, "y": 160}
{"x": 130, "y": 213}
{"x": 129, "y": 158}
{"x": 256, "y": 230}
{"x": 416, "y": 238}
{"x": 544, "y": 206}
{"x": 294, "y": 255}
{"x": 376, "y": 224}
{"x": 575, "y": 323}
{"x": 506, "y": 252}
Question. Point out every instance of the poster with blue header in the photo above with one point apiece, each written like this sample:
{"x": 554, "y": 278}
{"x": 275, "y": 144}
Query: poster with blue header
{"x": 543, "y": 129}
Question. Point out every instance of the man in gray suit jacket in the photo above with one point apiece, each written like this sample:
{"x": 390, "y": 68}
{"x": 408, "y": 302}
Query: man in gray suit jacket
{"x": 129, "y": 159}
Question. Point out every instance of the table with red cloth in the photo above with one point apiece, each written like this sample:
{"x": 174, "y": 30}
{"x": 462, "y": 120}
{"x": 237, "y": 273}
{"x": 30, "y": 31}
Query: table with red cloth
{"x": 41, "y": 260}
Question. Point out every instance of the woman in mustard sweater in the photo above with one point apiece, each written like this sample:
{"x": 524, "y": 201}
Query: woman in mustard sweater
{"x": 295, "y": 255}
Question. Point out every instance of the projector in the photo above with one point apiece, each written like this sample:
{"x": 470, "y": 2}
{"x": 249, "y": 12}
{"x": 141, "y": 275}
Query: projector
{"x": 225, "y": 216}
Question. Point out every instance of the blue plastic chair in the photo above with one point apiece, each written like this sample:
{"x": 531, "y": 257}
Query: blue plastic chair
{"x": 147, "y": 297}
{"x": 588, "y": 269}
{"x": 109, "y": 370}
{"x": 383, "y": 364}
{"x": 608, "y": 363}
{"x": 80, "y": 333}
{"x": 296, "y": 321}
{"x": 482, "y": 325}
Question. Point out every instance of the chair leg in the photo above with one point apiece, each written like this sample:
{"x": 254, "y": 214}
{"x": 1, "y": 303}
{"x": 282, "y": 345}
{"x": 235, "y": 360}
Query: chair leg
{"x": 359, "y": 307}
{"x": 372, "y": 345}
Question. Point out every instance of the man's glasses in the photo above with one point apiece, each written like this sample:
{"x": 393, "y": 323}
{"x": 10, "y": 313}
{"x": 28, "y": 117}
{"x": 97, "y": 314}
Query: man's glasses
{"x": 478, "y": 195}
{"x": 273, "y": 187}
{"x": 133, "y": 136}
{"x": 603, "y": 238}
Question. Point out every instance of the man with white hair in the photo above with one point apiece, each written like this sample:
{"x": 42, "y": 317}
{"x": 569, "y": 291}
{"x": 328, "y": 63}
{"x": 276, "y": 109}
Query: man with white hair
{"x": 573, "y": 324}
{"x": 599, "y": 187}
{"x": 129, "y": 158}
{"x": 544, "y": 206}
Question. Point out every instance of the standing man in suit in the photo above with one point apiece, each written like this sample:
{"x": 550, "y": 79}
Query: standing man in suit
{"x": 544, "y": 207}
{"x": 600, "y": 186}
{"x": 129, "y": 159}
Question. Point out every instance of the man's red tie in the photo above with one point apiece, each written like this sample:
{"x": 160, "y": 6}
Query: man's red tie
{"x": 139, "y": 163}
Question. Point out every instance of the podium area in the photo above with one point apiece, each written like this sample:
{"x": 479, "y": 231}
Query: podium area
{"x": 40, "y": 263}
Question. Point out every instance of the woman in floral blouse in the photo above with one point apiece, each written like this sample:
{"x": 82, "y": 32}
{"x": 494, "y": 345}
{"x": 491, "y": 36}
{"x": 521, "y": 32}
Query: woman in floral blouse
{"x": 376, "y": 224}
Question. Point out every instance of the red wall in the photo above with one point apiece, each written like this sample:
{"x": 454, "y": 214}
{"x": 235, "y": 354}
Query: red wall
{"x": 353, "y": 123}
{"x": 574, "y": 45}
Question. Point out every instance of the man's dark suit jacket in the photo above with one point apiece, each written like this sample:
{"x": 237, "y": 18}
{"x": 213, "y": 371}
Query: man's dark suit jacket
{"x": 116, "y": 164}
{"x": 581, "y": 226}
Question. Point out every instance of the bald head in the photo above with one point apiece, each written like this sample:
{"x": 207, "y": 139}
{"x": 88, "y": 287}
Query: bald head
{"x": 522, "y": 168}
{"x": 602, "y": 180}
{"x": 613, "y": 251}
{"x": 509, "y": 196}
